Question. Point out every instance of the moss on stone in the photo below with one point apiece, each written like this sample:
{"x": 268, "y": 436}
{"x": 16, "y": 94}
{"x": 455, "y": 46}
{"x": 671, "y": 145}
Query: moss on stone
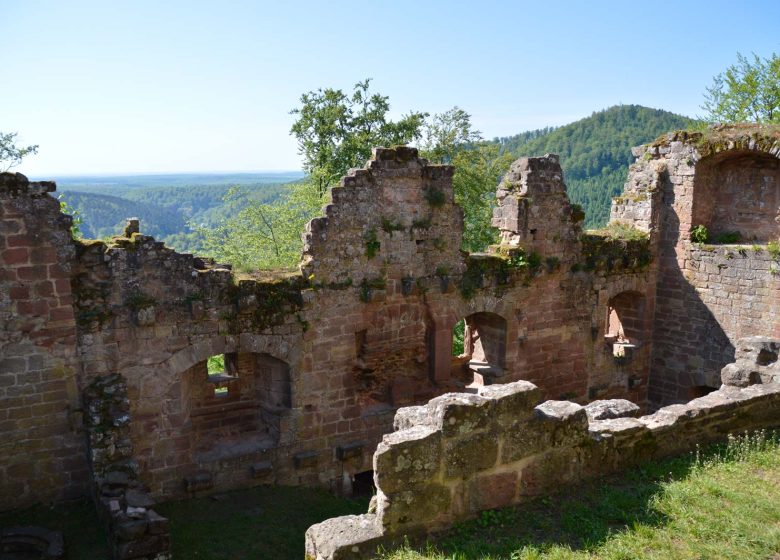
{"x": 718, "y": 138}
{"x": 615, "y": 249}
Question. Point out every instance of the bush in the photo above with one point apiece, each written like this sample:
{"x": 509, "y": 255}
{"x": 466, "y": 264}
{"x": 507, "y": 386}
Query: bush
{"x": 699, "y": 234}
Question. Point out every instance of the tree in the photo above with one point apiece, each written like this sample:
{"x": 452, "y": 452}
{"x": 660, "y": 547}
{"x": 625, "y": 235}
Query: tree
{"x": 748, "y": 91}
{"x": 263, "y": 235}
{"x": 448, "y": 133}
{"x": 336, "y": 132}
{"x": 479, "y": 166}
{"x": 11, "y": 155}
{"x": 478, "y": 171}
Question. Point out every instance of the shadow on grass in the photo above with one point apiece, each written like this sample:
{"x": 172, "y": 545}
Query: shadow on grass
{"x": 581, "y": 517}
{"x": 78, "y": 521}
{"x": 261, "y": 522}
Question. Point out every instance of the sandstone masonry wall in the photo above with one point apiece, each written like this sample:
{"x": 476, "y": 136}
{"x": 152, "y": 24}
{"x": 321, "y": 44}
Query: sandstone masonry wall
{"x": 42, "y": 453}
{"x": 707, "y": 296}
{"x": 317, "y": 363}
{"x": 461, "y": 454}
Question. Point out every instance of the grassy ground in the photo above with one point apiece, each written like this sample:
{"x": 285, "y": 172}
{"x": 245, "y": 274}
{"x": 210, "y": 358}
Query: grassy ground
{"x": 259, "y": 523}
{"x": 78, "y": 521}
{"x": 263, "y": 522}
{"x": 723, "y": 503}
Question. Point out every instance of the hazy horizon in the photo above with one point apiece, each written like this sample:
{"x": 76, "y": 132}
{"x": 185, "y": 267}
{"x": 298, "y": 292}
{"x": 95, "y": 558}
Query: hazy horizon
{"x": 149, "y": 87}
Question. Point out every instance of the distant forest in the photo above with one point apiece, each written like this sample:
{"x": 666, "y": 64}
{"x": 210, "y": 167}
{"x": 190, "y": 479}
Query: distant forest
{"x": 595, "y": 154}
{"x": 167, "y": 205}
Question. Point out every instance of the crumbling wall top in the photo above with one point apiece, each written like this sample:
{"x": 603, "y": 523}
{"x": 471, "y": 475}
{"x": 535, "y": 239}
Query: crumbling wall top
{"x": 396, "y": 218}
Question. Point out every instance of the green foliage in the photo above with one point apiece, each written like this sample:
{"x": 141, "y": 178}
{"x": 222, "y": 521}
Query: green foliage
{"x": 336, "y": 132}
{"x": 166, "y": 204}
{"x": 458, "y": 335}
{"x": 729, "y": 237}
{"x": 699, "y": 234}
{"x": 12, "y": 155}
{"x": 435, "y": 197}
{"x": 449, "y": 139}
{"x": 620, "y": 230}
{"x": 372, "y": 243}
{"x": 75, "y": 228}
{"x": 748, "y": 91}
{"x": 389, "y": 226}
{"x": 478, "y": 171}
{"x": 215, "y": 365}
{"x": 595, "y": 152}
{"x": 262, "y": 236}
{"x": 447, "y": 134}
{"x": 773, "y": 248}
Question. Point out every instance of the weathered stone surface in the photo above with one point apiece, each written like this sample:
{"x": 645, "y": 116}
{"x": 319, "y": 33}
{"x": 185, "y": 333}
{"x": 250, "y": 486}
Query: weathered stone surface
{"x": 611, "y": 408}
{"x": 539, "y": 455}
{"x": 470, "y": 454}
{"x": 407, "y": 457}
{"x": 756, "y": 362}
{"x": 423, "y": 506}
{"x": 514, "y": 402}
{"x": 350, "y": 537}
{"x": 460, "y": 413}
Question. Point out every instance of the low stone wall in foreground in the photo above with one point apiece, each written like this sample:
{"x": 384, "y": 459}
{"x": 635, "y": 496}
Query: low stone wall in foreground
{"x": 464, "y": 453}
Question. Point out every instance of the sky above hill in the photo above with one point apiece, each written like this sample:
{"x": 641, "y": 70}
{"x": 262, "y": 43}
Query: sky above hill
{"x": 175, "y": 86}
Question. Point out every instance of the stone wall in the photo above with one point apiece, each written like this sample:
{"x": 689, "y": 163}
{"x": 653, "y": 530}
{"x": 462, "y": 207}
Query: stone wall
{"x": 708, "y": 296}
{"x": 135, "y": 530}
{"x": 42, "y": 452}
{"x": 316, "y": 362}
{"x": 461, "y": 454}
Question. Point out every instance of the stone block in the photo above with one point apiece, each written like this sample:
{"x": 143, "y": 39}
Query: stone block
{"x": 305, "y": 460}
{"x": 611, "y": 408}
{"x": 410, "y": 416}
{"x": 566, "y": 421}
{"x": 407, "y": 458}
{"x": 460, "y": 413}
{"x": 470, "y": 454}
{"x": 261, "y": 469}
{"x": 158, "y": 525}
{"x": 350, "y": 450}
{"x": 427, "y": 505}
{"x": 129, "y": 529}
{"x": 492, "y": 491}
{"x": 350, "y": 537}
{"x": 512, "y": 402}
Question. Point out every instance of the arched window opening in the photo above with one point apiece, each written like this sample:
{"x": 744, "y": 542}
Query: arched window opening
{"x": 625, "y": 323}
{"x": 222, "y": 370}
{"x": 479, "y": 344}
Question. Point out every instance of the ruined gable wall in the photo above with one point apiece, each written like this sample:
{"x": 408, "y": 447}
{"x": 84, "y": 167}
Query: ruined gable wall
{"x": 708, "y": 296}
{"x": 323, "y": 360}
{"x": 42, "y": 450}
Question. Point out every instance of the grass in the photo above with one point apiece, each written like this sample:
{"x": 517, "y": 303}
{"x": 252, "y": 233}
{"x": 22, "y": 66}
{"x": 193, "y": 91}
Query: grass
{"x": 78, "y": 521}
{"x": 721, "y": 503}
{"x": 261, "y": 522}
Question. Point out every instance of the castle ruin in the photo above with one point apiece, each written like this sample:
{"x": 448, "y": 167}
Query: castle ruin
{"x": 104, "y": 346}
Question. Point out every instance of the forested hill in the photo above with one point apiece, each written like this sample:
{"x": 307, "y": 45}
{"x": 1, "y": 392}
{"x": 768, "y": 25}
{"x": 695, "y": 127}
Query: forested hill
{"x": 595, "y": 152}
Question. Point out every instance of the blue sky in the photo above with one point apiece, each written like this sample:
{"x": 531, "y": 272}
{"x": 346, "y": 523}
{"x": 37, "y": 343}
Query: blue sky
{"x": 153, "y": 86}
